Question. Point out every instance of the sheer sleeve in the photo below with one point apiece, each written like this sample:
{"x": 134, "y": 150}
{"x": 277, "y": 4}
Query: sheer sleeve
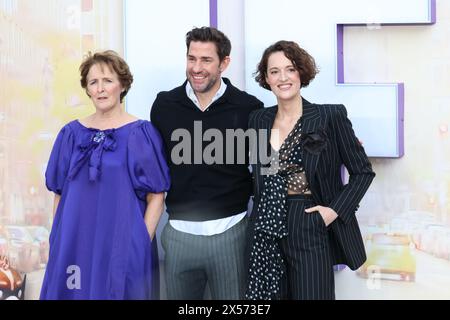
{"x": 59, "y": 162}
{"x": 147, "y": 162}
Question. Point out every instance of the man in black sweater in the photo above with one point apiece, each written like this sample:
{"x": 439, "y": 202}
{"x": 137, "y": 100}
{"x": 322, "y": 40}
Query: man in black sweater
{"x": 204, "y": 240}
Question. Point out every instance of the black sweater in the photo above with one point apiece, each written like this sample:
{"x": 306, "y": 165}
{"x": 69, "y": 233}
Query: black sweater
{"x": 202, "y": 191}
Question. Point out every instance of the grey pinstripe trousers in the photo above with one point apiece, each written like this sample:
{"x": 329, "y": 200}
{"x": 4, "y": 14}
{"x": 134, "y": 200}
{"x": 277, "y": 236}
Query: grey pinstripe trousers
{"x": 307, "y": 254}
{"x": 192, "y": 261}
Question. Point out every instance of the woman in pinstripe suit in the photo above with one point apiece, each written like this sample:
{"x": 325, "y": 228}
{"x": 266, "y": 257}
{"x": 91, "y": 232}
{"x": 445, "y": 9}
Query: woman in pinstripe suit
{"x": 303, "y": 220}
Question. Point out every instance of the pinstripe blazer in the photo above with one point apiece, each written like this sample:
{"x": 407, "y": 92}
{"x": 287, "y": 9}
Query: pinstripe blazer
{"x": 323, "y": 173}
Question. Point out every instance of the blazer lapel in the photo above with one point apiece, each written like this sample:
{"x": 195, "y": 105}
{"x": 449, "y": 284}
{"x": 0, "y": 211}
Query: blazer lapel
{"x": 310, "y": 123}
{"x": 265, "y": 123}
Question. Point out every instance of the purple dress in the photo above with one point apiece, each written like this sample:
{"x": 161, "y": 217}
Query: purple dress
{"x": 99, "y": 244}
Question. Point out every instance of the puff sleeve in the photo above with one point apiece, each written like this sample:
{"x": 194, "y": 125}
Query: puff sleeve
{"x": 147, "y": 163}
{"x": 59, "y": 162}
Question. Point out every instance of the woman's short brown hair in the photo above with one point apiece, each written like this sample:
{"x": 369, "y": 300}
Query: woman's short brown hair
{"x": 302, "y": 61}
{"x": 114, "y": 62}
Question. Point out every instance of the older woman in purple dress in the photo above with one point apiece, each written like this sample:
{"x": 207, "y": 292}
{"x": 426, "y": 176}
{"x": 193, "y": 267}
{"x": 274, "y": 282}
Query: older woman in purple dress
{"x": 109, "y": 175}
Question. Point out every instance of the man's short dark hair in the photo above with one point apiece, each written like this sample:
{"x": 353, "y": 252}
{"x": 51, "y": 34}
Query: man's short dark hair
{"x": 209, "y": 34}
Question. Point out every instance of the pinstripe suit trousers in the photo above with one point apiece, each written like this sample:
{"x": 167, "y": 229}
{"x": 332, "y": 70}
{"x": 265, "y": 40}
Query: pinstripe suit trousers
{"x": 192, "y": 261}
{"x": 307, "y": 255}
